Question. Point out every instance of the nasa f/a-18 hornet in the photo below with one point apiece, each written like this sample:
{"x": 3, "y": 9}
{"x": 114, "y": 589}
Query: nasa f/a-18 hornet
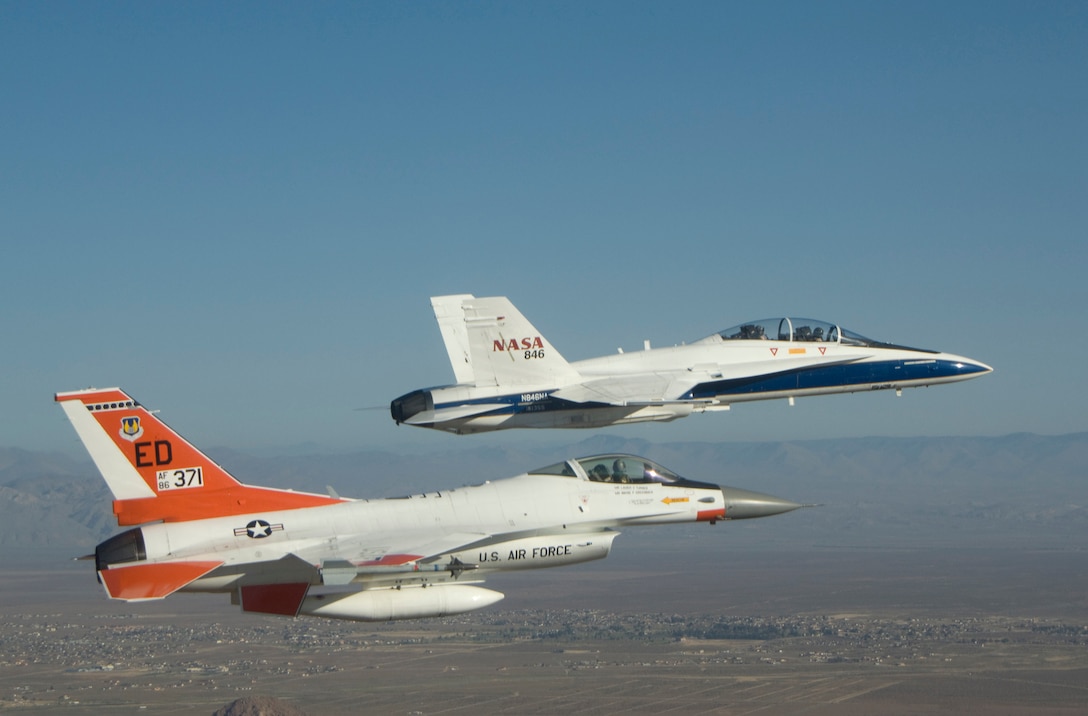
{"x": 195, "y": 528}
{"x": 509, "y": 376}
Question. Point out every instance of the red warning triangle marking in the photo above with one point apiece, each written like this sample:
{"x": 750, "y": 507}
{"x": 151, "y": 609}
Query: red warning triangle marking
{"x": 823, "y": 349}
{"x": 774, "y": 351}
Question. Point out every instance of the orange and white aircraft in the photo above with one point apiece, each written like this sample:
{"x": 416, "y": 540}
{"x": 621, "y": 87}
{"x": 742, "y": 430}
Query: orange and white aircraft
{"x": 195, "y": 528}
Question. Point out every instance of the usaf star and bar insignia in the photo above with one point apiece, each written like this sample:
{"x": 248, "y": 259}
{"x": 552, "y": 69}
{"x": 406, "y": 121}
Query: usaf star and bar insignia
{"x": 257, "y": 529}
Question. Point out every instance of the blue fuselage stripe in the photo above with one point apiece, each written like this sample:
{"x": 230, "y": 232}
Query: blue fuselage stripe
{"x": 837, "y": 376}
{"x": 886, "y": 373}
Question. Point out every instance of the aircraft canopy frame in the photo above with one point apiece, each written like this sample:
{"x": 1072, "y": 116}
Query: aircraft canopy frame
{"x": 616, "y": 468}
{"x": 801, "y": 330}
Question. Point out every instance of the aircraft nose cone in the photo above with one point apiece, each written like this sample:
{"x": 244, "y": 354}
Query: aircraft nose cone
{"x": 973, "y": 366}
{"x": 745, "y": 504}
{"x": 958, "y": 366}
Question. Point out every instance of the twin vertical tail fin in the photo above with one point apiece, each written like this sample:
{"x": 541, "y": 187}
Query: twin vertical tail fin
{"x": 490, "y": 343}
{"x": 451, "y": 322}
{"x": 155, "y": 474}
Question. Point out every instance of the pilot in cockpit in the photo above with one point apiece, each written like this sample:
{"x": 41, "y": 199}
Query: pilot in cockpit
{"x": 619, "y": 471}
{"x": 599, "y": 473}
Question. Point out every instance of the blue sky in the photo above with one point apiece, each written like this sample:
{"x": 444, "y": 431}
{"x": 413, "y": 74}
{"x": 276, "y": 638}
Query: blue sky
{"x": 238, "y": 211}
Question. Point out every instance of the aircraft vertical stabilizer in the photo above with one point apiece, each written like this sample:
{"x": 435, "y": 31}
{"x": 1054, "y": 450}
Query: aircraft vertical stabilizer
{"x": 451, "y": 322}
{"x": 157, "y": 475}
{"x": 507, "y": 350}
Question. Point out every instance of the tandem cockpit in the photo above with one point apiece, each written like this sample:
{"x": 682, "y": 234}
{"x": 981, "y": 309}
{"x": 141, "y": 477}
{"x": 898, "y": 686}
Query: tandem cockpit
{"x": 800, "y": 330}
{"x": 618, "y": 468}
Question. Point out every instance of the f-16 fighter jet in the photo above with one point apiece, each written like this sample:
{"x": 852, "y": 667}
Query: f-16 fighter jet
{"x": 194, "y": 528}
{"x": 509, "y": 376}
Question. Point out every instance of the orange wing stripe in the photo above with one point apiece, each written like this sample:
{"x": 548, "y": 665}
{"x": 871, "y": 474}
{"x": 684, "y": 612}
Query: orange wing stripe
{"x": 152, "y": 581}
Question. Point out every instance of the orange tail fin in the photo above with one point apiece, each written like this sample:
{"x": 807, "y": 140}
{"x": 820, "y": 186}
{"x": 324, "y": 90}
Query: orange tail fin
{"x": 154, "y": 473}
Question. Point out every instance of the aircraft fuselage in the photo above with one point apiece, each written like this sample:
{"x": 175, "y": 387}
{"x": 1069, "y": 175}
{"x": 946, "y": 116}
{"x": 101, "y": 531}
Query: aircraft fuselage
{"x": 526, "y": 522}
{"x": 518, "y": 506}
{"x": 668, "y": 383}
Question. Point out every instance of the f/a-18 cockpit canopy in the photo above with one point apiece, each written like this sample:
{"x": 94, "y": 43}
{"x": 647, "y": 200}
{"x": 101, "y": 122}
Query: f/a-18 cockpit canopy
{"x": 799, "y": 330}
{"x": 619, "y": 468}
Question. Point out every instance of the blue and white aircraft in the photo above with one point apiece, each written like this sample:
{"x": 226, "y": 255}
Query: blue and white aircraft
{"x": 509, "y": 376}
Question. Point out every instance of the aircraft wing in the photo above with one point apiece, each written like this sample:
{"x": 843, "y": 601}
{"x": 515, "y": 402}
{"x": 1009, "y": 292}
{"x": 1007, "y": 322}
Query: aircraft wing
{"x": 617, "y": 390}
{"x": 380, "y": 551}
{"x": 430, "y": 553}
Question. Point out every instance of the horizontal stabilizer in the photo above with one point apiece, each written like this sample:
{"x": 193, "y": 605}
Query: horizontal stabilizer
{"x": 441, "y": 415}
{"x": 154, "y": 580}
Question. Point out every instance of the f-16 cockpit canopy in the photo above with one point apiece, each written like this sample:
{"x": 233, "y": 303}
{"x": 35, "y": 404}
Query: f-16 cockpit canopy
{"x": 618, "y": 468}
{"x": 799, "y": 330}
